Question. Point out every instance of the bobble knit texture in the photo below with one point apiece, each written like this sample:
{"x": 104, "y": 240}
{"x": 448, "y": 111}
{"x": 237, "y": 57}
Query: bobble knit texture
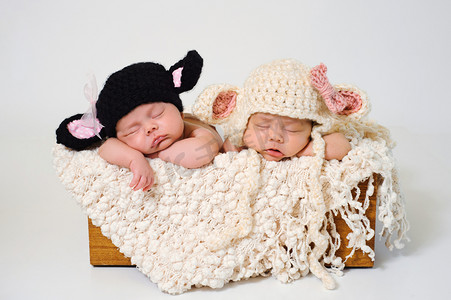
{"x": 240, "y": 216}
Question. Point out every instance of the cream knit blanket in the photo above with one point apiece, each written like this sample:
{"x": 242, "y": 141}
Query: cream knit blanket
{"x": 240, "y": 216}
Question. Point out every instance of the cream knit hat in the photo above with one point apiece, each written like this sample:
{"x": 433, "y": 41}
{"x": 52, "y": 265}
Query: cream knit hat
{"x": 283, "y": 87}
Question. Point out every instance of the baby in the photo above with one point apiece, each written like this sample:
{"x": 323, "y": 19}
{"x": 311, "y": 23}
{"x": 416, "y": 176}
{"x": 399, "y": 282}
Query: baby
{"x": 277, "y": 137}
{"x": 159, "y": 130}
{"x": 284, "y": 110}
{"x": 140, "y": 115}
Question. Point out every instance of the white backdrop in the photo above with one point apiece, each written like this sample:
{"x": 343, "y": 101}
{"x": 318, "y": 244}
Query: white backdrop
{"x": 397, "y": 51}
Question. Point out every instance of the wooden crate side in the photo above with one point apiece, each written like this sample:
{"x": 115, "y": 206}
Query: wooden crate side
{"x": 102, "y": 251}
{"x": 359, "y": 258}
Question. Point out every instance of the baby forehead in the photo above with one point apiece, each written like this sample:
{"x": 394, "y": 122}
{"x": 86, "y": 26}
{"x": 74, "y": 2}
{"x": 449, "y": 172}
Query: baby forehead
{"x": 267, "y": 117}
{"x": 132, "y": 117}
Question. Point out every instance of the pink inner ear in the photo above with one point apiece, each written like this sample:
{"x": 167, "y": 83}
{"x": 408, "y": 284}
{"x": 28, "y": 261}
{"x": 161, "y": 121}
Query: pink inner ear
{"x": 353, "y": 102}
{"x": 177, "y": 77}
{"x": 82, "y": 129}
{"x": 224, "y": 104}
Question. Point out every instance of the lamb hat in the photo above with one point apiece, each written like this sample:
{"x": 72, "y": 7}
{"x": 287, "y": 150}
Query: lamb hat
{"x": 283, "y": 87}
{"x": 126, "y": 89}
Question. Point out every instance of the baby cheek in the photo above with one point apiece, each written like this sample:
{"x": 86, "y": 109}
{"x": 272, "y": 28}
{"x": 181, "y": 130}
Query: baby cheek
{"x": 249, "y": 138}
{"x": 136, "y": 141}
{"x": 303, "y": 142}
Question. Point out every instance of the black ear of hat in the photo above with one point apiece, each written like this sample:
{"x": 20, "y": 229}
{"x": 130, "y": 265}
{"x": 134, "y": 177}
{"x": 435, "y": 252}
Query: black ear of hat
{"x": 192, "y": 67}
{"x": 64, "y": 137}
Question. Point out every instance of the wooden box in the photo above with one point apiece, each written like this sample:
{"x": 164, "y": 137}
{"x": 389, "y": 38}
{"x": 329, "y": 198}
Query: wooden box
{"x": 103, "y": 253}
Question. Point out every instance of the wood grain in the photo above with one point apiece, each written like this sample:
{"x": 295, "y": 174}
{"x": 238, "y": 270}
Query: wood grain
{"x": 102, "y": 252}
{"x": 359, "y": 258}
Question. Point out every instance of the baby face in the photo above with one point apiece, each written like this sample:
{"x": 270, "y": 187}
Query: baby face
{"x": 276, "y": 137}
{"x": 151, "y": 127}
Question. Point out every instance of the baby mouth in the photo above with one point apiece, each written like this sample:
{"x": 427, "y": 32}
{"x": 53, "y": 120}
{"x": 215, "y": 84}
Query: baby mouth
{"x": 274, "y": 152}
{"x": 158, "y": 140}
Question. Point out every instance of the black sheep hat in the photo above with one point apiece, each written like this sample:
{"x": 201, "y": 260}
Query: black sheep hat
{"x": 124, "y": 90}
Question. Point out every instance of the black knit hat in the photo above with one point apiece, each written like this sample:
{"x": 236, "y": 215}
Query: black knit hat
{"x": 132, "y": 86}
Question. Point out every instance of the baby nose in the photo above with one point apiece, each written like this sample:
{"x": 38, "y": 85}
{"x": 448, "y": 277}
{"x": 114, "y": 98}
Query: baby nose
{"x": 150, "y": 127}
{"x": 275, "y": 135}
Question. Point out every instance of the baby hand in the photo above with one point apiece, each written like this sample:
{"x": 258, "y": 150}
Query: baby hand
{"x": 143, "y": 176}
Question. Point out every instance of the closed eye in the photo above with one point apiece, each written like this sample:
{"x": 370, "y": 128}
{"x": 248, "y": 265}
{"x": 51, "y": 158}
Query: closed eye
{"x": 262, "y": 126}
{"x": 293, "y": 130}
{"x": 156, "y": 112}
{"x": 156, "y": 116}
{"x": 132, "y": 131}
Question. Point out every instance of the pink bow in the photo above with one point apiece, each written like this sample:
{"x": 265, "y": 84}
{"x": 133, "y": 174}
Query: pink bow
{"x": 88, "y": 126}
{"x": 338, "y": 102}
